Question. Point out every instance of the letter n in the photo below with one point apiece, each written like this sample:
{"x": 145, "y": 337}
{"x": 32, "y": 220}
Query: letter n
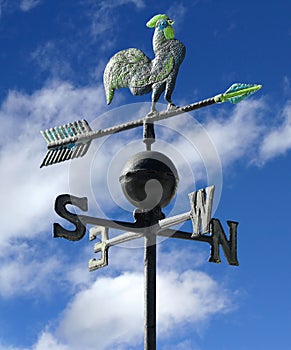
{"x": 219, "y": 238}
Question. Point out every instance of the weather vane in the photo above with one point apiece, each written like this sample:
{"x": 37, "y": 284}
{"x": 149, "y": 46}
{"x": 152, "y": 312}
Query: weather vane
{"x": 149, "y": 179}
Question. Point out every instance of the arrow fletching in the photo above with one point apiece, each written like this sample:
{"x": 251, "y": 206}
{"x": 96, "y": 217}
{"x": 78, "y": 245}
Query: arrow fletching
{"x": 70, "y": 147}
{"x": 237, "y": 92}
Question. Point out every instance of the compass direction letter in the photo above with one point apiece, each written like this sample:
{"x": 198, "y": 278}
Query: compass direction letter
{"x": 229, "y": 246}
{"x": 201, "y": 209}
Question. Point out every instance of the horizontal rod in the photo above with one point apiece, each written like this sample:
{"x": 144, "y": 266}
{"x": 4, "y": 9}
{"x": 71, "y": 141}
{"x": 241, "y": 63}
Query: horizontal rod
{"x": 133, "y": 226}
{"x": 171, "y": 233}
{"x": 125, "y": 237}
{"x": 141, "y": 230}
{"x": 119, "y": 225}
{"x": 90, "y": 135}
{"x": 174, "y": 220}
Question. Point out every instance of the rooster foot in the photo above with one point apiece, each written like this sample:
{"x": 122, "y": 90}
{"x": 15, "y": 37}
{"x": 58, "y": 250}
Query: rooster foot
{"x": 153, "y": 110}
{"x": 152, "y": 113}
{"x": 171, "y": 107}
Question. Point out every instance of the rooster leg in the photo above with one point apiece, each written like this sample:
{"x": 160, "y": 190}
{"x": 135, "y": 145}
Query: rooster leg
{"x": 158, "y": 88}
{"x": 153, "y": 108}
{"x": 169, "y": 90}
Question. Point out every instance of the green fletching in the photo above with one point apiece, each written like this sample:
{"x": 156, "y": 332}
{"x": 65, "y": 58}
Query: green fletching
{"x": 153, "y": 21}
{"x": 169, "y": 32}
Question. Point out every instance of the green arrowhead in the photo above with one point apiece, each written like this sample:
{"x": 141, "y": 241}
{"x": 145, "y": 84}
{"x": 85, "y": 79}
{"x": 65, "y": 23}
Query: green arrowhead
{"x": 237, "y": 92}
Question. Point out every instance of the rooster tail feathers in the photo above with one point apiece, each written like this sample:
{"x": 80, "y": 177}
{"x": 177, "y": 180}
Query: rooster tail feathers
{"x": 122, "y": 70}
{"x": 108, "y": 82}
{"x": 109, "y": 90}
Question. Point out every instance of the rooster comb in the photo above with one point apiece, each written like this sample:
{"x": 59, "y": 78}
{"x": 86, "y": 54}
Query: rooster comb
{"x": 153, "y": 21}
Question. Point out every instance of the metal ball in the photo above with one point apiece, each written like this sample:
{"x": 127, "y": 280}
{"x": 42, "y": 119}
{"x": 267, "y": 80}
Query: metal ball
{"x": 149, "y": 179}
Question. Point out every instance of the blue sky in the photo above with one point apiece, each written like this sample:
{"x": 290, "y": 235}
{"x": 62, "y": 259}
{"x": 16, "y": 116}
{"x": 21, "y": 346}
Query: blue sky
{"x": 52, "y": 58}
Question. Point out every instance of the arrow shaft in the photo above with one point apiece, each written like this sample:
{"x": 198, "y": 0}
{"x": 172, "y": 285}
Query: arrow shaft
{"x": 73, "y": 139}
{"x": 96, "y": 134}
{"x": 90, "y": 135}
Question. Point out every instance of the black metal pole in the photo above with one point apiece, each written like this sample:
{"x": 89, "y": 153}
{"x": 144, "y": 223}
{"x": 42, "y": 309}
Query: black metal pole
{"x": 150, "y": 250}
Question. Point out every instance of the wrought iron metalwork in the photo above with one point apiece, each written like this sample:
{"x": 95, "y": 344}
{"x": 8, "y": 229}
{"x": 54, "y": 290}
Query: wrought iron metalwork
{"x": 216, "y": 236}
{"x": 133, "y": 69}
{"x": 149, "y": 179}
{"x": 69, "y": 141}
{"x": 149, "y": 224}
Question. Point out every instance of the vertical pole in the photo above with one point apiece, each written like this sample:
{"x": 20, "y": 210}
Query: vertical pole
{"x": 150, "y": 260}
{"x": 148, "y": 134}
{"x": 150, "y": 251}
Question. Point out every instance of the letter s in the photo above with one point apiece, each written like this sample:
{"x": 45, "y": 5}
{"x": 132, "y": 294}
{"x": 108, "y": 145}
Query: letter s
{"x": 61, "y": 210}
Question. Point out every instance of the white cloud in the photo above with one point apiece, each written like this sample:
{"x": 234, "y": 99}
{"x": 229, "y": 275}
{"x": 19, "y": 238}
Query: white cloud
{"x": 117, "y": 3}
{"x": 27, "y": 192}
{"x": 102, "y": 19}
{"x": 239, "y": 135}
{"x": 109, "y": 314}
{"x": 7, "y": 347}
{"x": 48, "y": 342}
{"x": 26, "y": 268}
{"x": 183, "y": 345}
{"x": 278, "y": 141}
{"x": 50, "y": 58}
{"x": 110, "y": 310}
{"x": 188, "y": 297}
{"x": 27, "y": 5}
{"x": 286, "y": 86}
{"x": 177, "y": 13}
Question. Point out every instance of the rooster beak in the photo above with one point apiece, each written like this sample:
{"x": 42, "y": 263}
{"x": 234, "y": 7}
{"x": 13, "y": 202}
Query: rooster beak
{"x": 171, "y": 22}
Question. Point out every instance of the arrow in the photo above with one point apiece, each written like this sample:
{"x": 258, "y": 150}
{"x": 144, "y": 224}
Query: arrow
{"x": 237, "y": 92}
{"x": 73, "y": 140}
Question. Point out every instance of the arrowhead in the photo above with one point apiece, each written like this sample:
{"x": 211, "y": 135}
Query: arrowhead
{"x": 237, "y": 92}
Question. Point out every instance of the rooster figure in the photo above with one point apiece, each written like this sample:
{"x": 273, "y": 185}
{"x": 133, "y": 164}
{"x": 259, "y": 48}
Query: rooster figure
{"x": 133, "y": 69}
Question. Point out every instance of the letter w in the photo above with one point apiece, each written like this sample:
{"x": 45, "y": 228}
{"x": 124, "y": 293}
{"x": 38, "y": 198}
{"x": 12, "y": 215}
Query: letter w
{"x": 201, "y": 210}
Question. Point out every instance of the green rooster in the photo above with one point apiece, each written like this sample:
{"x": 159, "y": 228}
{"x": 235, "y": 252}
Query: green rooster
{"x": 133, "y": 69}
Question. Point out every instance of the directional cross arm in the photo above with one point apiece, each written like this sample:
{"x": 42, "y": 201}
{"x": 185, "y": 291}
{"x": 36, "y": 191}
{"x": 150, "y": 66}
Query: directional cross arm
{"x": 174, "y": 220}
{"x": 200, "y": 214}
{"x": 216, "y": 236}
{"x": 103, "y": 245}
{"x": 216, "y": 239}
